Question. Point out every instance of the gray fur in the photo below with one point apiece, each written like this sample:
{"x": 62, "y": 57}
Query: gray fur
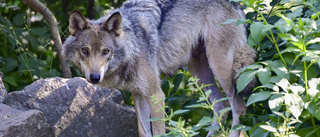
{"x": 154, "y": 37}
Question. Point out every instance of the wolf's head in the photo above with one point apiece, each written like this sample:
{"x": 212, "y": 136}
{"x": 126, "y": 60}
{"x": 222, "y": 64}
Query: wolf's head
{"x": 93, "y": 46}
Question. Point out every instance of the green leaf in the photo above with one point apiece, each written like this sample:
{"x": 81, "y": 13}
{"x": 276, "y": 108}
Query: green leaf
{"x": 12, "y": 80}
{"x": 283, "y": 26}
{"x": 267, "y": 28}
{"x": 195, "y": 106}
{"x": 314, "y": 16}
{"x": 275, "y": 102}
{"x": 228, "y": 21}
{"x": 281, "y": 72}
{"x": 260, "y": 96}
{"x": 245, "y": 79}
{"x": 181, "y": 111}
{"x": 311, "y": 134}
{"x": 298, "y": 44}
{"x": 287, "y": 36}
{"x": 264, "y": 75}
{"x": 212, "y": 128}
{"x": 295, "y": 14}
{"x": 10, "y": 64}
{"x": 241, "y": 127}
{"x": 257, "y": 131}
{"x": 176, "y": 82}
{"x": 310, "y": 57}
{"x": 225, "y": 110}
{"x": 313, "y": 41}
{"x": 255, "y": 32}
{"x": 288, "y": 20}
{"x": 204, "y": 121}
{"x": 242, "y": 21}
{"x": 317, "y": 114}
{"x": 165, "y": 86}
{"x": 291, "y": 49}
{"x": 208, "y": 92}
{"x": 18, "y": 19}
{"x": 34, "y": 42}
{"x": 312, "y": 108}
{"x": 268, "y": 128}
{"x": 249, "y": 67}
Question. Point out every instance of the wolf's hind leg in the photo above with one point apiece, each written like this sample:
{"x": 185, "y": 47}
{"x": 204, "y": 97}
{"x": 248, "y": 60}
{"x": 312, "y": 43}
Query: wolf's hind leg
{"x": 220, "y": 57}
{"x": 199, "y": 67}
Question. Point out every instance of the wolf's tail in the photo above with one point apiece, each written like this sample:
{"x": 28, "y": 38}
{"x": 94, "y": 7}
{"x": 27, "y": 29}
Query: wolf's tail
{"x": 244, "y": 57}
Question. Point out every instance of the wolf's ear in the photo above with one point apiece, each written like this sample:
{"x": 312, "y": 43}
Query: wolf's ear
{"x": 77, "y": 22}
{"x": 113, "y": 24}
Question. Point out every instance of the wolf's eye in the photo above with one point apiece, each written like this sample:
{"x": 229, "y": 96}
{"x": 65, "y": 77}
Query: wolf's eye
{"x": 105, "y": 51}
{"x": 85, "y": 51}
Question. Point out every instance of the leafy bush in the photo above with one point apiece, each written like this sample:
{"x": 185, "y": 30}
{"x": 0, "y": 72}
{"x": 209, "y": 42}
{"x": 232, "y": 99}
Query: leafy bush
{"x": 27, "y": 53}
{"x": 286, "y": 37}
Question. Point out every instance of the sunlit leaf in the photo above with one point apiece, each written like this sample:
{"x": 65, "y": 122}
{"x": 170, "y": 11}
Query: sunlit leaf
{"x": 294, "y": 103}
{"x": 314, "y": 16}
{"x": 313, "y": 41}
{"x": 284, "y": 84}
{"x": 275, "y": 102}
{"x": 181, "y": 111}
{"x": 287, "y": 36}
{"x": 268, "y": 128}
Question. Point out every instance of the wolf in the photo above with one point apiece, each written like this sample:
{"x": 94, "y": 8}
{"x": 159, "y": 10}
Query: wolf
{"x": 131, "y": 46}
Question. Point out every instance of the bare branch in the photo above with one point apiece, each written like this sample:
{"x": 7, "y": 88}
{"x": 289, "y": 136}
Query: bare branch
{"x": 52, "y": 21}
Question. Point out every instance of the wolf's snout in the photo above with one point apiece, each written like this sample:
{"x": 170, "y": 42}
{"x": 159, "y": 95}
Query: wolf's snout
{"x": 94, "y": 78}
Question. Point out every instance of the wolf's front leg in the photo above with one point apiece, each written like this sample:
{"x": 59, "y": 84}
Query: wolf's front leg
{"x": 143, "y": 114}
{"x": 156, "y": 109}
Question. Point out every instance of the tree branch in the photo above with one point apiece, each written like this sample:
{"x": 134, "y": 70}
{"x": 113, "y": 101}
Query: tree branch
{"x": 52, "y": 21}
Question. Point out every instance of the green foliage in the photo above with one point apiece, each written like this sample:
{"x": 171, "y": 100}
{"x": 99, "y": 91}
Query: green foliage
{"x": 27, "y": 53}
{"x": 286, "y": 36}
{"x": 188, "y": 119}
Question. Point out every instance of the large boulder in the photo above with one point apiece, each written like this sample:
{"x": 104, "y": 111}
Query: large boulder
{"x": 17, "y": 123}
{"x": 74, "y": 107}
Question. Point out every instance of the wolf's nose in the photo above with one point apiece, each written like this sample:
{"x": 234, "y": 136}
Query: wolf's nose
{"x": 94, "y": 78}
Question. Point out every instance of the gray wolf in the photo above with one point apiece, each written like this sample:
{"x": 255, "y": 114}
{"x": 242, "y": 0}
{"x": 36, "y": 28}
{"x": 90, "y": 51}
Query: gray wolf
{"x": 131, "y": 46}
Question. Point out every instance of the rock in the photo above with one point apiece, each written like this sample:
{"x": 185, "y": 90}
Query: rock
{"x": 3, "y": 91}
{"x": 17, "y": 123}
{"x": 74, "y": 107}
